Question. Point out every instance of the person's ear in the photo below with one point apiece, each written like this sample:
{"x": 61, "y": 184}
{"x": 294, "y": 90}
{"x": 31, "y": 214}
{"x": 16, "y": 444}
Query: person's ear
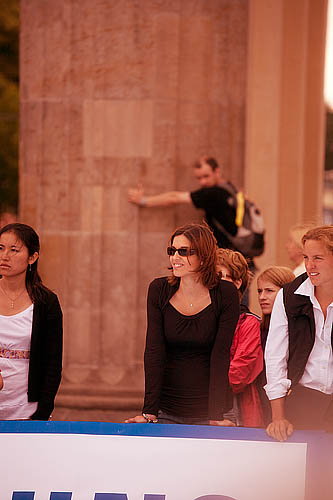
{"x": 32, "y": 258}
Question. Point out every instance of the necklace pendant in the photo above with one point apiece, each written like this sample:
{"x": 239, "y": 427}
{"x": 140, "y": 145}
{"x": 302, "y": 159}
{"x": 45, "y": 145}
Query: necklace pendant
{"x": 191, "y": 305}
{"x": 12, "y": 305}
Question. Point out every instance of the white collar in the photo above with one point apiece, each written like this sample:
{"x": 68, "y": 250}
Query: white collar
{"x": 306, "y": 288}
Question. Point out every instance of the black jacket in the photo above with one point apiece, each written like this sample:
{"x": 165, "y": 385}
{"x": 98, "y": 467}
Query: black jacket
{"x": 301, "y": 328}
{"x": 45, "y": 355}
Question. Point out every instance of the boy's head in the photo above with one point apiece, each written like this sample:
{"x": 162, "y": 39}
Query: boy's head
{"x": 232, "y": 266}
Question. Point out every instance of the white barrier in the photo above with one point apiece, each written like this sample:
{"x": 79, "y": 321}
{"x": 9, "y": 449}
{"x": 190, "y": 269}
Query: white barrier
{"x": 98, "y": 461}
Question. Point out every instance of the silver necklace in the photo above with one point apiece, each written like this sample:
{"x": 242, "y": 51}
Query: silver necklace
{"x": 191, "y": 303}
{"x": 12, "y": 300}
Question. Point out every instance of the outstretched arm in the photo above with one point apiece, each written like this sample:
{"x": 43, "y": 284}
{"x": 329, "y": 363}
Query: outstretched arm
{"x": 170, "y": 198}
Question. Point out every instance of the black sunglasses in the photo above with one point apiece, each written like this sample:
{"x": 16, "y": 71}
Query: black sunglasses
{"x": 183, "y": 252}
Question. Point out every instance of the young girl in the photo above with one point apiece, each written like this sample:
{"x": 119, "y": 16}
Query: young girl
{"x": 246, "y": 353}
{"x": 269, "y": 282}
{"x": 30, "y": 330}
{"x": 192, "y": 316}
{"x": 298, "y": 354}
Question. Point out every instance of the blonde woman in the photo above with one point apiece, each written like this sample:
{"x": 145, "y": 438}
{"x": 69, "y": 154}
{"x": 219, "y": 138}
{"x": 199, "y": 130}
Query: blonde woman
{"x": 269, "y": 282}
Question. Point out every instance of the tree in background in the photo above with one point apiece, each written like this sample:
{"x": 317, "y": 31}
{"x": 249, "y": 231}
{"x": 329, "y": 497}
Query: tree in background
{"x": 9, "y": 104}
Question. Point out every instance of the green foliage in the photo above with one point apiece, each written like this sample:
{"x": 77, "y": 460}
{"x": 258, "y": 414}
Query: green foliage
{"x": 9, "y": 103}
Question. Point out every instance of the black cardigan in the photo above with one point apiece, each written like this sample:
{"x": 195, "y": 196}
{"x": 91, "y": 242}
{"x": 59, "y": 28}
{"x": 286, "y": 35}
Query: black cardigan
{"x": 45, "y": 355}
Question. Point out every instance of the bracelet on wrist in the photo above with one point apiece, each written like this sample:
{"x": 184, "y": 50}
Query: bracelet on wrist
{"x": 149, "y": 419}
{"x": 143, "y": 202}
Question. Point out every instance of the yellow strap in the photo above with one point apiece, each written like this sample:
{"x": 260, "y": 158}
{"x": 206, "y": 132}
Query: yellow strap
{"x": 240, "y": 208}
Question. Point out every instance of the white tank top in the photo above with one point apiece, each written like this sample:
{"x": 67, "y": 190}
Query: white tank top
{"x": 15, "y": 339}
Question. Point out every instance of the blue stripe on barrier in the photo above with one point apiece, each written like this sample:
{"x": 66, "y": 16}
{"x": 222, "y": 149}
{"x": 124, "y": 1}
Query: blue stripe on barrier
{"x": 149, "y": 430}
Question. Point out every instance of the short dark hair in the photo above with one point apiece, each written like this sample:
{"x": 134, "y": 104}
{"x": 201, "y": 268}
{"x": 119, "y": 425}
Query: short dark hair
{"x": 203, "y": 241}
{"x": 209, "y": 160}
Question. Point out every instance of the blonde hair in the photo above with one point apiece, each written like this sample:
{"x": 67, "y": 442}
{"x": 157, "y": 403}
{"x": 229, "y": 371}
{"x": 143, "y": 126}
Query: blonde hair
{"x": 321, "y": 233}
{"x": 278, "y": 275}
{"x": 237, "y": 266}
{"x": 298, "y": 231}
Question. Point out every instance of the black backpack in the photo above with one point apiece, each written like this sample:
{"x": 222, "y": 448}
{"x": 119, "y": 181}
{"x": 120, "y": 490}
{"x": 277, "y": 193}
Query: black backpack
{"x": 249, "y": 239}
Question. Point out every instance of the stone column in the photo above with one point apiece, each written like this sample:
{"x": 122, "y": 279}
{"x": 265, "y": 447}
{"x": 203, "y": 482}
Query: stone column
{"x": 285, "y": 117}
{"x": 114, "y": 93}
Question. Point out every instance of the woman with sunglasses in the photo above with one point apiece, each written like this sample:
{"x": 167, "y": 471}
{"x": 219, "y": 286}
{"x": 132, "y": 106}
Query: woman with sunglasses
{"x": 192, "y": 316}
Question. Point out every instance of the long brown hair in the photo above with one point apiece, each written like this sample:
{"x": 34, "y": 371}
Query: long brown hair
{"x": 203, "y": 241}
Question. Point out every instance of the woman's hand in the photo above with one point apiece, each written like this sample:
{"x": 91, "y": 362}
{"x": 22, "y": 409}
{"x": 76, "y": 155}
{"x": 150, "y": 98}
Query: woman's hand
{"x": 224, "y": 423}
{"x": 280, "y": 429}
{"x": 140, "y": 419}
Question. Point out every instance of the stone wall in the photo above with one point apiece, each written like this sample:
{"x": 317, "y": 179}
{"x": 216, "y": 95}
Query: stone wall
{"x": 114, "y": 93}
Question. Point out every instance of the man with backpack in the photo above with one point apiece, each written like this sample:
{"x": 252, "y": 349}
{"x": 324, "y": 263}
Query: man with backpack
{"x": 235, "y": 222}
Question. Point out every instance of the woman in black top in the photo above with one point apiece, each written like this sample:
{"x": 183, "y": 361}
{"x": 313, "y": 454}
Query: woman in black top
{"x": 192, "y": 317}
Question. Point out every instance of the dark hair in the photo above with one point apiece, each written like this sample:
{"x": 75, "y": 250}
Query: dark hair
{"x": 28, "y": 236}
{"x": 237, "y": 266}
{"x": 203, "y": 241}
{"x": 209, "y": 160}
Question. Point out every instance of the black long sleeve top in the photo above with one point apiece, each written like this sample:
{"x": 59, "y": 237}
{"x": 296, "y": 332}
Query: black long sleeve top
{"x": 187, "y": 357}
{"x": 45, "y": 355}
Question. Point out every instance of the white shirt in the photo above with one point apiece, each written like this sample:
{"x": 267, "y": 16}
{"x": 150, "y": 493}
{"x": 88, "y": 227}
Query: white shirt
{"x": 318, "y": 373}
{"x": 15, "y": 334}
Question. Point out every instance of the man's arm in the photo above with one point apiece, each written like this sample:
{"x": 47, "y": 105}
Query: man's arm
{"x": 168, "y": 199}
{"x": 278, "y": 384}
{"x": 280, "y": 428}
